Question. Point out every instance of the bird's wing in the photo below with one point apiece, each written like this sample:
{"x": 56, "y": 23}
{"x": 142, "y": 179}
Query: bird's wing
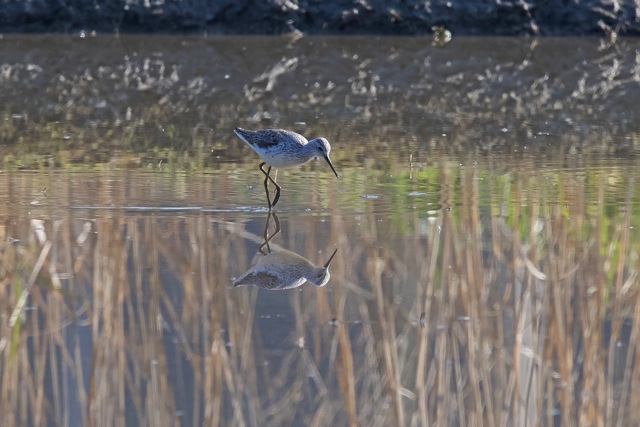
{"x": 268, "y": 281}
{"x": 266, "y": 138}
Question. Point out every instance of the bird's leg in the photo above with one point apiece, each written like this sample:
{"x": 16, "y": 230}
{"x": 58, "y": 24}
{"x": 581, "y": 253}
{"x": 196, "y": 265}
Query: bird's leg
{"x": 266, "y": 186}
{"x": 266, "y": 181}
{"x": 266, "y": 236}
{"x": 275, "y": 200}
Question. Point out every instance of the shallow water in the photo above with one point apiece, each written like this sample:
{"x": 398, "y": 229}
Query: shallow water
{"x": 481, "y": 277}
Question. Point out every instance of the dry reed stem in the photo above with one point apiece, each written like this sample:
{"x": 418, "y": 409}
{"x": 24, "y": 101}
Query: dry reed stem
{"x": 479, "y": 339}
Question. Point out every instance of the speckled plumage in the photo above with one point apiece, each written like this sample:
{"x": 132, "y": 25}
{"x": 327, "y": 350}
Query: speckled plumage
{"x": 280, "y": 148}
{"x": 284, "y": 270}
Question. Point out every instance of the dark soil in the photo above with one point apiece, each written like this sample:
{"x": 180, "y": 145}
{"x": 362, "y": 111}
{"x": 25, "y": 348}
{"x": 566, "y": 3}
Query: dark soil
{"x": 384, "y": 17}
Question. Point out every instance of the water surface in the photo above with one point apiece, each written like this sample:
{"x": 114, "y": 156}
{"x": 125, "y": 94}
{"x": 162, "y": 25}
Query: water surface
{"x": 487, "y": 252}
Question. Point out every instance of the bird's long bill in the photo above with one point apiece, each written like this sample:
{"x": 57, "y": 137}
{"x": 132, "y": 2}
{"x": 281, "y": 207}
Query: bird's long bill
{"x": 330, "y": 259}
{"x": 331, "y": 164}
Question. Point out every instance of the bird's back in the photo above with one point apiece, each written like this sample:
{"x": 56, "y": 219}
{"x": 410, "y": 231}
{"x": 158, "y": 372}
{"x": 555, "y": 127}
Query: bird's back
{"x": 277, "y": 147}
{"x": 267, "y": 138}
{"x": 277, "y": 270}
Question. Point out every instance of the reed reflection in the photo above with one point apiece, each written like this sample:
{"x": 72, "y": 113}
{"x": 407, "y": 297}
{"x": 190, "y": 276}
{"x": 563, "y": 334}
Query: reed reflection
{"x": 280, "y": 269}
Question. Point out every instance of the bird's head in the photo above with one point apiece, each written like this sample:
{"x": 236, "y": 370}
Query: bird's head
{"x": 322, "y": 148}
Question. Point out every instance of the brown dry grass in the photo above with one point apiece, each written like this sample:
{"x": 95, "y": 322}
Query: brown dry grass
{"x": 524, "y": 312}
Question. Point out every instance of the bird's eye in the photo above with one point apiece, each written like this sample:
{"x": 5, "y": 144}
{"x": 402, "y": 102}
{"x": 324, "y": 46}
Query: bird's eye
{"x": 319, "y": 148}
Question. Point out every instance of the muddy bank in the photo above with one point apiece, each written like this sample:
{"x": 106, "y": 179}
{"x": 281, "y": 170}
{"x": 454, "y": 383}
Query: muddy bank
{"x": 412, "y": 17}
{"x": 141, "y": 92}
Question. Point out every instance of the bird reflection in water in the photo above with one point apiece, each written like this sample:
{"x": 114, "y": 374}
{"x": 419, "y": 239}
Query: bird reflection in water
{"x": 280, "y": 269}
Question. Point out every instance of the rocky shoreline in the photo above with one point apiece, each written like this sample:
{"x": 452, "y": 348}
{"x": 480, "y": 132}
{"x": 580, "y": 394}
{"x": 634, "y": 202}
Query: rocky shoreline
{"x": 381, "y": 17}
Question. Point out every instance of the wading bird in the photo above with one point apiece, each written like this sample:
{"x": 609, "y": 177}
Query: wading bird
{"x": 279, "y": 148}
